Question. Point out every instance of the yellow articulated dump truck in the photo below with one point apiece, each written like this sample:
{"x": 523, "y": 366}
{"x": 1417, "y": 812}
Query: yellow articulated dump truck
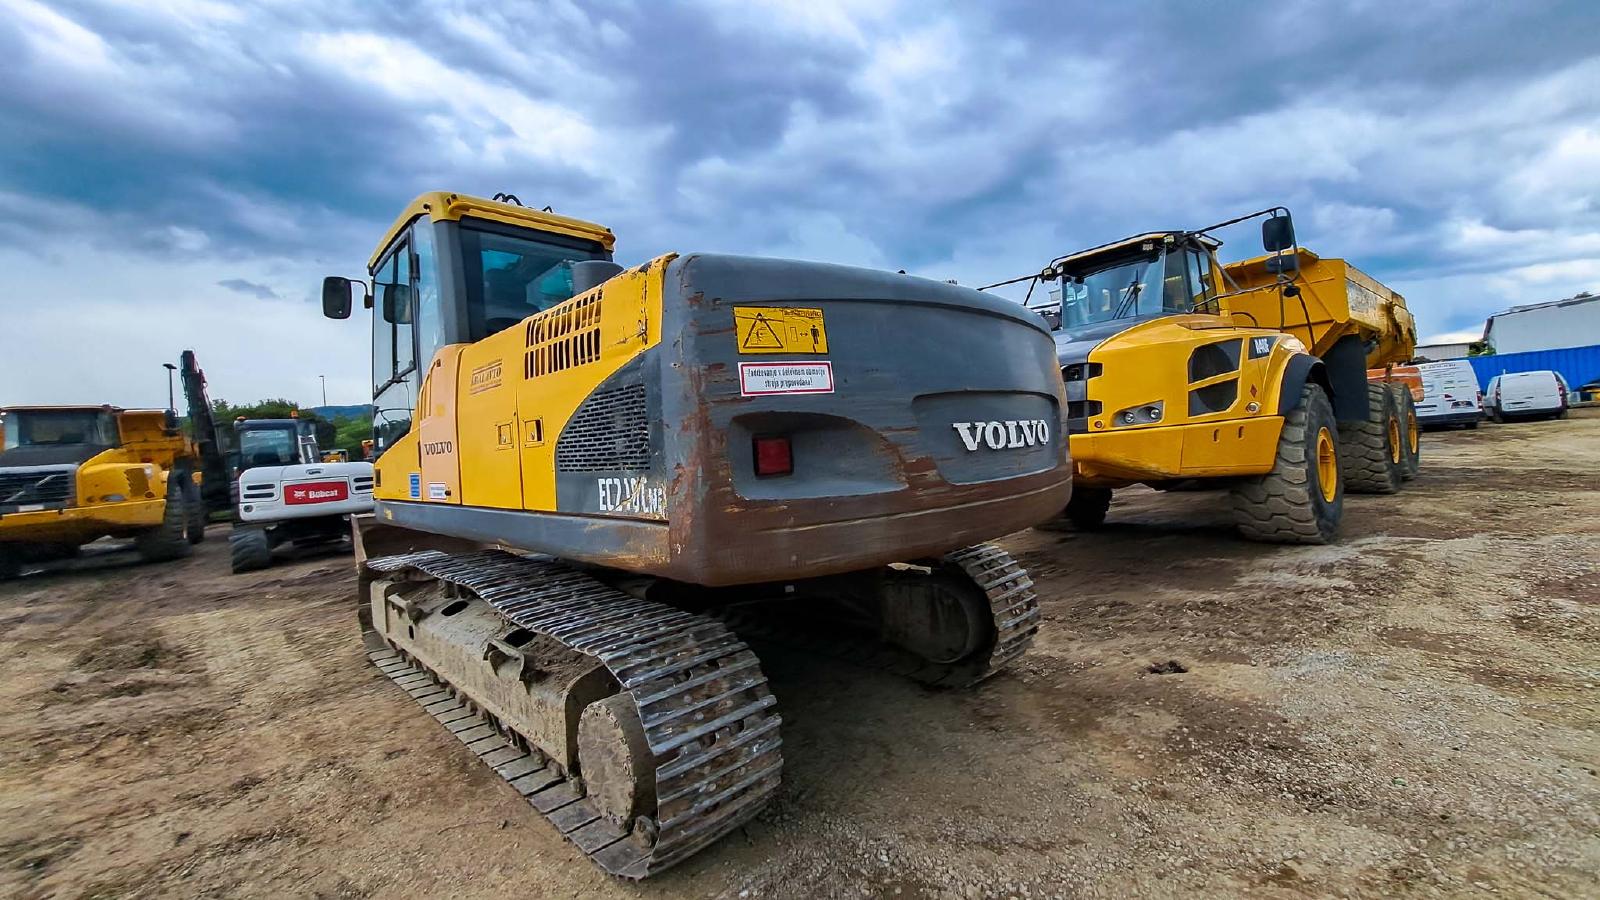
{"x": 1181, "y": 372}
{"x": 577, "y": 464}
{"x": 73, "y": 474}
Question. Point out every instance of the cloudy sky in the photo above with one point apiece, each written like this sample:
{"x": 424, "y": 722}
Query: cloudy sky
{"x": 181, "y": 173}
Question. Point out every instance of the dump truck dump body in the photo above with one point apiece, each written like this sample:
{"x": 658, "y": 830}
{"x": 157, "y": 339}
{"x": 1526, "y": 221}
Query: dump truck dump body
{"x": 1340, "y": 301}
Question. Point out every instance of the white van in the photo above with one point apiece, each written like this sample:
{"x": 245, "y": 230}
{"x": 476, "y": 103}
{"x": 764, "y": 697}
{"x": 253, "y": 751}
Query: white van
{"x": 1541, "y": 393}
{"x": 1449, "y": 394}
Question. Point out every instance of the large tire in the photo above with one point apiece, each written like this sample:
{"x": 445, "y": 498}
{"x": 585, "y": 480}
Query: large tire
{"x": 1088, "y": 506}
{"x": 167, "y": 540}
{"x": 195, "y": 528}
{"x": 1302, "y": 499}
{"x": 1410, "y": 432}
{"x": 1370, "y": 452}
{"x": 10, "y": 563}
{"x": 249, "y": 549}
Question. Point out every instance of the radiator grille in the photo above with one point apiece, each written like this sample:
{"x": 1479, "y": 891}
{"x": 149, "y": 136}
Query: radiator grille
{"x": 28, "y": 488}
{"x": 564, "y": 337}
{"x": 610, "y": 433}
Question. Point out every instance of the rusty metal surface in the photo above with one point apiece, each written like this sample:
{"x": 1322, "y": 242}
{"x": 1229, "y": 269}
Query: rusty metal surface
{"x": 710, "y": 722}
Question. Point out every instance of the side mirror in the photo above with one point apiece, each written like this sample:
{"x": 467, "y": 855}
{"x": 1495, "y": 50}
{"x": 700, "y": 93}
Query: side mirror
{"x": 1277, "y": 234}
{"x": 397, "y": 303}
{"x": 336, "y": 297}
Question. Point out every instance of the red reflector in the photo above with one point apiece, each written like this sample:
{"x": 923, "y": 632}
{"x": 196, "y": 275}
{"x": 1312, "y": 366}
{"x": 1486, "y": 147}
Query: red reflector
{"x": 773, "y": 456}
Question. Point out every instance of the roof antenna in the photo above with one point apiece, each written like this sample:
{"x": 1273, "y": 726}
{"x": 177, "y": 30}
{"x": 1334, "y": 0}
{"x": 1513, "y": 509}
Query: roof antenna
{"x": 506, "y": 198}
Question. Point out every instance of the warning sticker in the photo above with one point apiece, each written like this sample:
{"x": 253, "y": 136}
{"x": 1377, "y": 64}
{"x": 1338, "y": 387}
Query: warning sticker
{"x": 756, "y": 379}
{"x": 779, "y": 329}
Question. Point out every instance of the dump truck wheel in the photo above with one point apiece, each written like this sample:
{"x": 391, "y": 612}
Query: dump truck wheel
{"x": 1088, "y": 506}
{"x": 195, "y": 528}
{"x": 1410, "y": 432}
{"x": 249, "y": 549}
{"x": 10, "y": 565}
{"x": 1370, "y": 451}
{"x": 1302, "y": 499}
{"x": 167, "y": 541}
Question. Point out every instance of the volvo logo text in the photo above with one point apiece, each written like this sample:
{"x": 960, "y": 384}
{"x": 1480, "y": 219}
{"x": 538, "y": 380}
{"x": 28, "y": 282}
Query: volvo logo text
{"x": 1006, "y": 435}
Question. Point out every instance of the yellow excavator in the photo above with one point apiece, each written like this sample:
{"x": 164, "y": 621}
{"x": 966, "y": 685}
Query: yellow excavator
{"x": 580, "y": 467}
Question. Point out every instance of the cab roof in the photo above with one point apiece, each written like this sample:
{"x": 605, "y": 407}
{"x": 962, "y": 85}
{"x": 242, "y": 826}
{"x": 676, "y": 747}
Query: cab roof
{"x": 1127, "y": 243}
{"x": 444, "y": 206}
{"x": 66, "y": 407}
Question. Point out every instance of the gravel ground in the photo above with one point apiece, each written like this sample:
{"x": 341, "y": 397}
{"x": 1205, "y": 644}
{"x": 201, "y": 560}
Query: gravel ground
{"x": 1414, "y": 710}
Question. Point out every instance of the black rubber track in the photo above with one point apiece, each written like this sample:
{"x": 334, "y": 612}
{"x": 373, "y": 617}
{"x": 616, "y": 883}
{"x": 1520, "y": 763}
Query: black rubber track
{"x": 710, "y": 720}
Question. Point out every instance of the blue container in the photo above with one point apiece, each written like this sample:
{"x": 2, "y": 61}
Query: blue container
{"x": 1578, "y": 365}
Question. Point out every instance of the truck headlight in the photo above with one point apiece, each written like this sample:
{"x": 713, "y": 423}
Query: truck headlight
{"x": 1143, "y": 414}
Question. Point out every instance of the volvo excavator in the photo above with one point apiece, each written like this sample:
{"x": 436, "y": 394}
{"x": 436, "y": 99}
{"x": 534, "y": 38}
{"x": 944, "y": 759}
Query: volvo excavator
{"x": 580, "y": 467}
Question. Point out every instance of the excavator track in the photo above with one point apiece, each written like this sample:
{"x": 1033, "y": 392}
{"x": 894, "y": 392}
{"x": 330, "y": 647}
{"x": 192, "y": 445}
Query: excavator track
{"x": 710, "y": 721}
{"x": 1012, "y": 603}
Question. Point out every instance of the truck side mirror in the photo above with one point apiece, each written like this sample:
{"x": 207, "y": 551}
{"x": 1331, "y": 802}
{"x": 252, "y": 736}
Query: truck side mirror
{"x": 397, "y": 304}
{"x": 336, "y": 297}
{"x": 1277, "y": 233}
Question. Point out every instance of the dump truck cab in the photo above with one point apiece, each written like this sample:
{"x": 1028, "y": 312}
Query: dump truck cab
{"x": 73, "y": 474}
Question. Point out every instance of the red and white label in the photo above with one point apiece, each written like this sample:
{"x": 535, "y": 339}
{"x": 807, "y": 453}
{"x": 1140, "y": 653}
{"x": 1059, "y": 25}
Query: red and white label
{"x": 316, "y": 492}
{"x": 758, "y": 379}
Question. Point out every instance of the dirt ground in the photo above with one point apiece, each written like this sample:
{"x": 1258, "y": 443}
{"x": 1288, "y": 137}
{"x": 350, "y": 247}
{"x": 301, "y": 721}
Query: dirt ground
{"x": 1414, "y": 710}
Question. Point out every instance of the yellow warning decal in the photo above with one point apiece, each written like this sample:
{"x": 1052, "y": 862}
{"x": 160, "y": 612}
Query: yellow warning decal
{"x": 779, "y": 329}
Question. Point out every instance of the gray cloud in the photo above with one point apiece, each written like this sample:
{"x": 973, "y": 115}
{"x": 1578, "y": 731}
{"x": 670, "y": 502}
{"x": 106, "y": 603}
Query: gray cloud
{"x": 250, "y": 288}
{"x": 1451, "y": 148}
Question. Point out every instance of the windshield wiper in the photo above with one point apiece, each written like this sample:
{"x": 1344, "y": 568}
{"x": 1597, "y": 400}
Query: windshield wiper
{"x": 1131, "y": 294}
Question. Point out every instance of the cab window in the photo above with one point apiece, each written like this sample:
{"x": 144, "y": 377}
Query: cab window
{"x": 513, "y": 273}
{"x": 1201, "y": 287}
{"x": 394, "y": 348}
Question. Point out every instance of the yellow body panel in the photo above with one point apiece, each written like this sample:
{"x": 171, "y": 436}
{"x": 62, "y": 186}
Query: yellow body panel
{"x": 1339, "y": 300}
{"x": 513, "y": 393}
{"x": 80, "y": 524}
{"x": 1158, "y": 453}
{"x": 446, "y": 206}
{"x": 1150, "y": 363}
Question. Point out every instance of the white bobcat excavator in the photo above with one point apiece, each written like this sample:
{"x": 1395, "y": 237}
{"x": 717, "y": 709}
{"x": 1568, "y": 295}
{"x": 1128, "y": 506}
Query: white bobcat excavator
{"x": 285, "y": 493}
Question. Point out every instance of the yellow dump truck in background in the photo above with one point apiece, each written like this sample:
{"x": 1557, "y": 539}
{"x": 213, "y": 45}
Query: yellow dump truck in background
{"x": 70, "y": 475}
{"x": 1253, "y": 376}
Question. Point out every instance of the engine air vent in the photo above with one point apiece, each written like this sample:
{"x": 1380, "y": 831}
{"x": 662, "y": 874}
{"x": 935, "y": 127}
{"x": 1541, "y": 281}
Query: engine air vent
{"x": 1211, "y": 360}
{"x": 609, "y": 433}
{"x": 563, "y": 337}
